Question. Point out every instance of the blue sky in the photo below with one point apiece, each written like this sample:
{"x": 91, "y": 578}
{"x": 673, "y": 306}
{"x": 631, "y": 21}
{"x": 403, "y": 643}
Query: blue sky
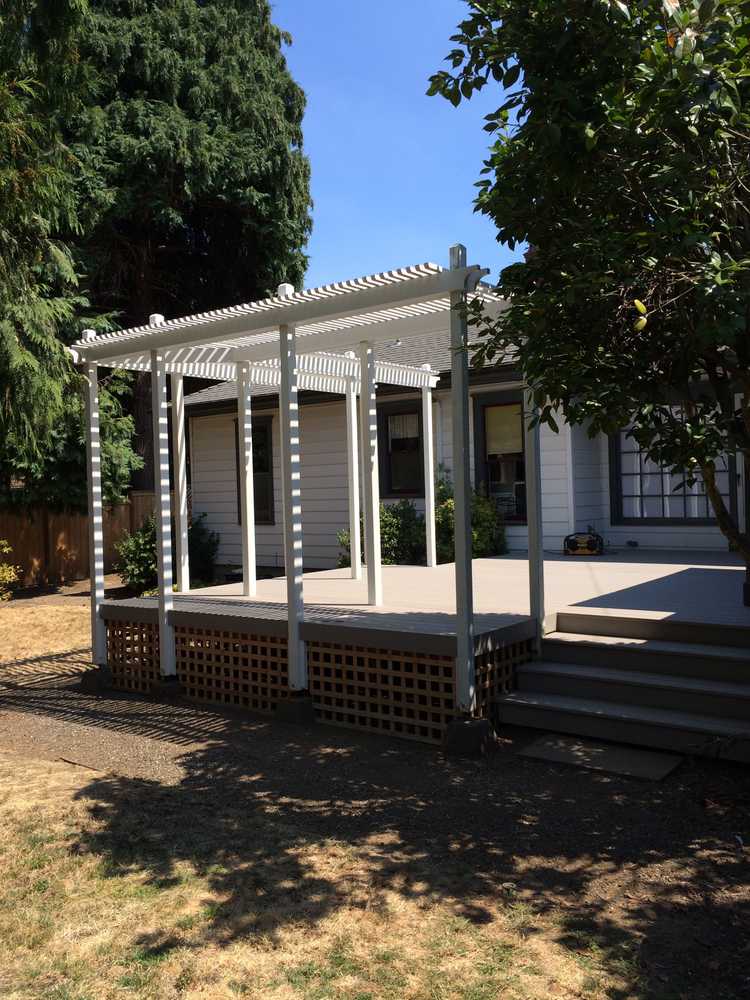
{"x": 392, "y": 170}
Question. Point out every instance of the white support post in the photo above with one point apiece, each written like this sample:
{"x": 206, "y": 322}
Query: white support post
{"x": 163, "y": 514}
{"x": 532, "y": 452}
{"x": 247, "y": 484}
{"x": 179, "y": 452}
{"x": 371, "y": 480}
{"x": 96, "y": 515}
{"x": 428, "y": 448}
{"x": 292, "y": 496}
{"x": 352, "y": 468}
{"x": 465, "y": 666}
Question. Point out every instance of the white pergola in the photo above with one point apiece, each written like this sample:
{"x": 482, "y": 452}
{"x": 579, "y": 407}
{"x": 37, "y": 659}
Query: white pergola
{"x": 321, "y": 339}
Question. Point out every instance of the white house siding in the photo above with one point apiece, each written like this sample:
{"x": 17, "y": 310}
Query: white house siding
{"x": 324, "y": 485}
{"x": 324, "y": 482}
{"x": 592, "y": 505}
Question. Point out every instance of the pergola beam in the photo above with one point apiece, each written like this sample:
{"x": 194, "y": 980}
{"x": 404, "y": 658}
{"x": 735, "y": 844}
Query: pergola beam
{"x": 291, "y": 472}
{"x": 264, "y": 319}
{"x": 163, "y": 516}
{"x": 179, "y": 453}
{"x": 96, "y": 516}
{"x": 352, "y": 470}
{"x": 465, "y": 665}
{"x": 247, "y": 483}
{"x": 371, "y": 479}
{"x": 532, "y": 457}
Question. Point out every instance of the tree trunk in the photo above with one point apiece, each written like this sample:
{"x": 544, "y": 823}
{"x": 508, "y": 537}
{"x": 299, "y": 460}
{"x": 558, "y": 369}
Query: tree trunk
{"x": 739, "y": 539}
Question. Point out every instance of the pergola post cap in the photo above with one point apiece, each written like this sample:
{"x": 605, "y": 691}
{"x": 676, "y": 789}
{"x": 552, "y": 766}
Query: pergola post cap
{"x": 155, "y": 319}
{"x": 285, "y": 290}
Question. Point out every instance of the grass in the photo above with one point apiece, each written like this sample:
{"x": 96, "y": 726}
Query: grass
{"x": 79, "y": 925}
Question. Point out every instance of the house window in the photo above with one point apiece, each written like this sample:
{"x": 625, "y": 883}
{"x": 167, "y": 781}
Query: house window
{"x": 500, "y": 470}
{"x": 400, "y": 450}
{"x": 262, "y": 470}
{"x": 644, "y": 492}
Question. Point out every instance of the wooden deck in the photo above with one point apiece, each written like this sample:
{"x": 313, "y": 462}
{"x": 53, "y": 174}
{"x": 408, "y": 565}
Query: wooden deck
{"x": 419, "y": 608}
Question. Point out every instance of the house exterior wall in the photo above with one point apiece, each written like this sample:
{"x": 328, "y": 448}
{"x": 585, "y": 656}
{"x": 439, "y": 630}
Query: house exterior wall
{"x": 324, "y": 481}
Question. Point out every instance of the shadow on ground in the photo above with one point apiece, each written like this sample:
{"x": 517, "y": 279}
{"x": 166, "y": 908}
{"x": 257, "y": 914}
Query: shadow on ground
{"x": 651, "y": 875}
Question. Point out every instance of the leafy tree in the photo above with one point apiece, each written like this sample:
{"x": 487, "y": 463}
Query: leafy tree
{"x": 196, "y": 186}
{"x": 41, "y": 437}
{"x": 620, "y": 155}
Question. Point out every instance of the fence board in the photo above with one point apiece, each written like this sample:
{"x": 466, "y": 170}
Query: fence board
{"x": 53, "y": 548}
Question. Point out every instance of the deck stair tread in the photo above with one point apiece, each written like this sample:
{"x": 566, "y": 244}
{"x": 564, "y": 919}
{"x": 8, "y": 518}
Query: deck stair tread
{"x": 736, "y": 653}
{"x": 640, "y": 678}
{"x": 709, "y": 725}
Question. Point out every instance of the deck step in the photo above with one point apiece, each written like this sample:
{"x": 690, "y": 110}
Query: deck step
{"x": 629, "y": 626}
{"x": 722, "y": 699}
{"x": 684, "y": 659}
{"x": 684, "y": 732}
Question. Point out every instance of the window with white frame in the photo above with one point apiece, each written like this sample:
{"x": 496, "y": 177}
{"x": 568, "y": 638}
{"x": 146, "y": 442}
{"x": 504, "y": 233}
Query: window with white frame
{"x": 645, "y": 492}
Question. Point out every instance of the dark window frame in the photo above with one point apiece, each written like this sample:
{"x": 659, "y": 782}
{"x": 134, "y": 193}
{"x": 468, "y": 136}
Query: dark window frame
{"x": 384, "y": 411}
{"x": 265, "y": 424}
{"x": 481, "y": 400}
{"x": 617, "y": 518}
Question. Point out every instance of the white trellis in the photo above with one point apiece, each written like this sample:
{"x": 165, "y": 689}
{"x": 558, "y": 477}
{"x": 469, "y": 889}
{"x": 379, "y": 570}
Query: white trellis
{"x": 324, "y": 339}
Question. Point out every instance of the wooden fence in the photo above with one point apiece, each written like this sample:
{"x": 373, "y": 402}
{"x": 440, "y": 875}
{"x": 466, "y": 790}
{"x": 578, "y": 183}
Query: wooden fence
{"x": 53, "y": 548}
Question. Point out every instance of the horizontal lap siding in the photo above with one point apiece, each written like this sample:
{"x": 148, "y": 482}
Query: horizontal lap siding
{"x": 325, "y": 509}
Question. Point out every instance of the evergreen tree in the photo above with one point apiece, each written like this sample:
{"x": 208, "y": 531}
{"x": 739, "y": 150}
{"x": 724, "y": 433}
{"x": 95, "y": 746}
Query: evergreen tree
{"x": 41, "y": 435}
{"x": 196, "y": 186}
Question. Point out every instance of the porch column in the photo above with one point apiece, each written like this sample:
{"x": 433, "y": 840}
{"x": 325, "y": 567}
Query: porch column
{"x": 179, "y": 452}
{"x": 292, "y": 497}
{"x": 371, "y": 479}
{"x": 428, "y": 449}
{"x": 163, "y": 514}
{"x": 96, "y": 513}
{"x": 352, "y": 468}
{"x": 247, "y": 484}
{"x": 465, "y": 667}
{"x": 533, "y": 464}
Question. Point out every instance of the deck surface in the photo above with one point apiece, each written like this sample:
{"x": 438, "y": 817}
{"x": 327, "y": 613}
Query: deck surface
{"x": 419, "y": 603}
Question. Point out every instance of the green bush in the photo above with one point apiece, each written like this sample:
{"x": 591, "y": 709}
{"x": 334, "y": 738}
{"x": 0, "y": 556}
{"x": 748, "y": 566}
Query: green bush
{"x": 9, "y": 574}
{"x": 137, "y": 562}
{"x": 402, "y": 530}
{"x": 136, "y": 557}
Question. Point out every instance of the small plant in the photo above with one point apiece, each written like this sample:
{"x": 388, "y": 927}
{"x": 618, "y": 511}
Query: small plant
{"x": 137, "y": 562}
{"x": 10, "y": 575}
{"x": 136, "y": 558}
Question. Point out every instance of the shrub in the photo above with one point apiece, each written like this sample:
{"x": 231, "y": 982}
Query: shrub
{"x": 9, "y": 574}
{"x": 402, "y": 530}
{"x": 137, "y": 563}
{"x": 136, "y": 557}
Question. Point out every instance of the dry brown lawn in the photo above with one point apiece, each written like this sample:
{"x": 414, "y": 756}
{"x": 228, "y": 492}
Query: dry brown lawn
{"x": 81, "y": 922}
{"x": 167, "y": 851}
{"x": 29, "y": 629}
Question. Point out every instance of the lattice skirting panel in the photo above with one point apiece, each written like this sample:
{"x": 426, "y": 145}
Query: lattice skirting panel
{"x": 232, "y": 668}
{"x": 405, "y": 694}
{"x": 410, "y": 695}
{"x": 496, "y": 673}
{"x": 133, "y": 655}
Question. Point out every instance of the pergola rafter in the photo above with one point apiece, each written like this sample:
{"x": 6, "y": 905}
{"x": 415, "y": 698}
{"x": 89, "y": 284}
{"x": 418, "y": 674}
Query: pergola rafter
{"x": 325, "y": 340}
